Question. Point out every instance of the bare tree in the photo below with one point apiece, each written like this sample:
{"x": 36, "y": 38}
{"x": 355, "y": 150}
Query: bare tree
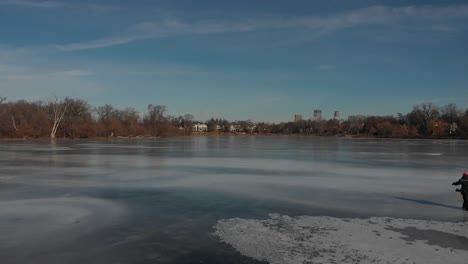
{"x": 28, "y": 119}
{"x": 188, "y": 123}
{"x": 78, "y": 119}
{"x": 450, "y": 113}
{"x": 189, "y": 118}
{"x": 104, "y": 112}
{"x": 4, "y": 120}
{"x": 105, "y": 115}
{"x": 12, "y": 114}
{"x": 155, "y": 117}
{"x": 430, "y": 111}
{"x": 58, "y": 109}
{"x": 129, "y": 119}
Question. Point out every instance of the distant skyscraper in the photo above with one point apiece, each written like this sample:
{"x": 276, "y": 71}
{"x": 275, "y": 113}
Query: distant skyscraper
{"x": 317, "y": 114}
{"x": 297, "y": 117}
{"x": 336, "y": 115}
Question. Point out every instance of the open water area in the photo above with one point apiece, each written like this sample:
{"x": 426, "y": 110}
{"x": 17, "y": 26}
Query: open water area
{"x": 171, "y": 200}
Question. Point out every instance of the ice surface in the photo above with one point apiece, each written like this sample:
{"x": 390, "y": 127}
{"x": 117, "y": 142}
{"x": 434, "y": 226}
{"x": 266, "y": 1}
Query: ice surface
{"x": 374, "y": 177}
{"x": 32, "y": 221}
{"x": 314, "y": 239}
{"x": 126, "y": 201}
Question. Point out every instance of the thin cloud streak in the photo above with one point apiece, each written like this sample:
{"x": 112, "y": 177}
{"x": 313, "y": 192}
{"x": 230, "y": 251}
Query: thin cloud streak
{"x": 101, "y": 43}
{"x": 89, "y": 8}
{"x": 161, "y": 29}
{"x": 58, "y": 75}
{"x": 374, "y": 15}
{"x": 33, "y": 4}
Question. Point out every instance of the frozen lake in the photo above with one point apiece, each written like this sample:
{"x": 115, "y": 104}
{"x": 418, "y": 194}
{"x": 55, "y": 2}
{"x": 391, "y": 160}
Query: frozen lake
{"x": 157, "y": 201}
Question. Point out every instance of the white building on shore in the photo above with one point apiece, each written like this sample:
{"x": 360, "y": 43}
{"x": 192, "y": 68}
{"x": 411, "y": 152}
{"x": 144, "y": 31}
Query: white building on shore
{"x": 199, "y": 127}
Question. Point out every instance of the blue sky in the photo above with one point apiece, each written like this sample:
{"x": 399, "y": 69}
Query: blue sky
{"x": 259, "y": 60}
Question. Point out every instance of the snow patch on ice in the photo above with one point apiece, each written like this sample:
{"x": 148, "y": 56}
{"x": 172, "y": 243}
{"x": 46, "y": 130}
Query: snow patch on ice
{"x": 311, "y": 239}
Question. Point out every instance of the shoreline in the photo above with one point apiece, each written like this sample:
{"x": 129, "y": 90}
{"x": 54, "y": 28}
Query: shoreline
{"x": 215, "y": 134}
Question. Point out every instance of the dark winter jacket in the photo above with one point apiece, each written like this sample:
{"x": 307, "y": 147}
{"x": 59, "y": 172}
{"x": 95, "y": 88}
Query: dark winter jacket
{"x": 463, "y": 181}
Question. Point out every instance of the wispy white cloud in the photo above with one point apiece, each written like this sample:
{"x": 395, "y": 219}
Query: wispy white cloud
{"x": 374, "y": 15}
{"x": 101, "y": 43}
{"x": 161, "y": 29}
{"x": 33, "y": 4}
{"x": 89, "y": 8}
{"x": 17, "y": 74}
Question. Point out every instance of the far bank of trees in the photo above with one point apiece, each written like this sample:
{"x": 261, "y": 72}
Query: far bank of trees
{"x": 75, "y": 118}
{"x": 424, "y": 121}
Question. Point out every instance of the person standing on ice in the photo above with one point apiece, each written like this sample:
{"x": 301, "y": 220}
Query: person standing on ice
{"x": 464, "y": 189}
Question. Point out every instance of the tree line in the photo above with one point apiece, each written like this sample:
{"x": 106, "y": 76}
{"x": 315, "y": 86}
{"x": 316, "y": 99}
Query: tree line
{"x": 75, "y": 118}
{"x": 424, "y": 121}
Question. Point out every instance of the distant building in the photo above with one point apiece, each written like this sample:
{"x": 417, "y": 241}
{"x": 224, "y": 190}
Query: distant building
{"x": 233, "y": 128}
{"x": 199, "y": 127}
{"x": 297, "y": 117}
{"x": 453, "y": 128}
{"x": 336, "y": 115}
{"x": 317, "y": 114}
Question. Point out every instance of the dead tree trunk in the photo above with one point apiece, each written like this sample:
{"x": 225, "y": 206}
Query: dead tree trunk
{"x": 59, "y": 109}
{"x": 13, "y": 122}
